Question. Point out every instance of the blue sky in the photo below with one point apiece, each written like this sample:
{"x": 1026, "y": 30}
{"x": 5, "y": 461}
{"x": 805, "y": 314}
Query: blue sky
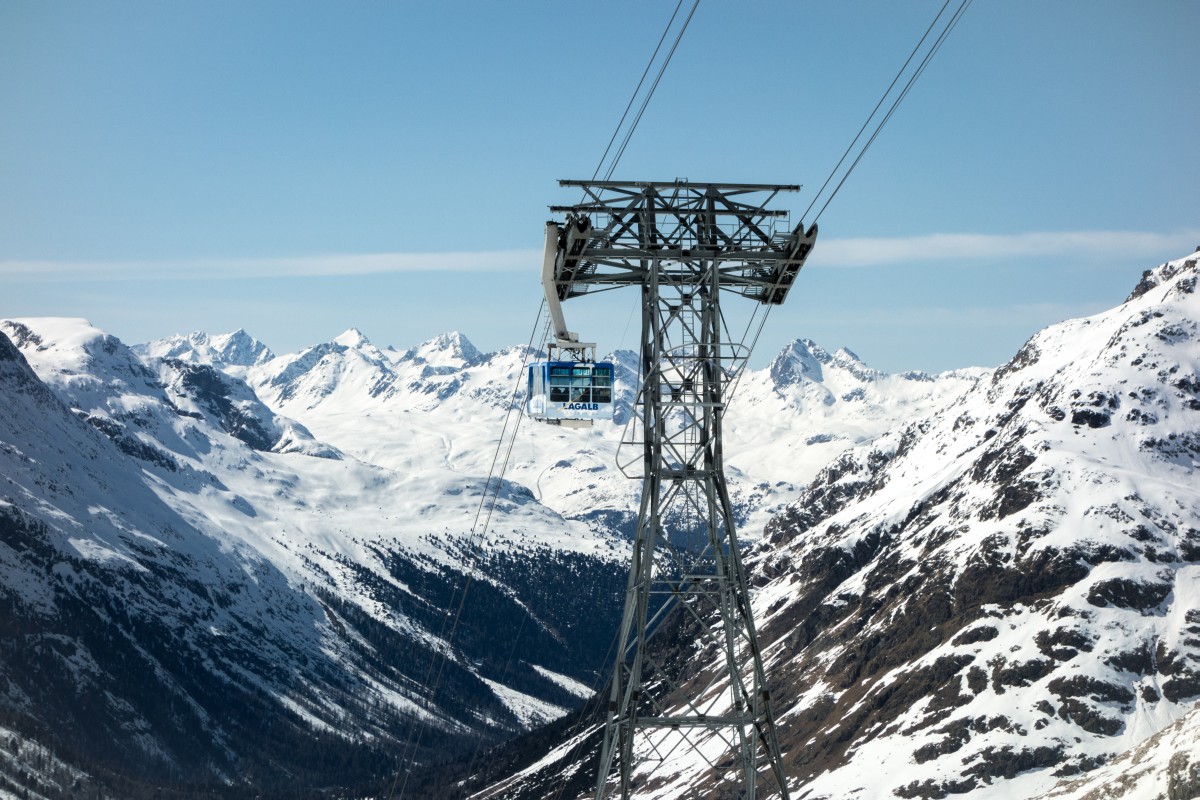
{"x": 299, "y": 168}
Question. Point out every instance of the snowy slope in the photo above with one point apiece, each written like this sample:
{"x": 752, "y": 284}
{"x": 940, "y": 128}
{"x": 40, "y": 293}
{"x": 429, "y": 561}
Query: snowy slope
{"x": 156, "y": 519}
{"x": 1164, "y": 767}
{"x": 31, "y": 771}
{"x": 809, "y": 405}
{"x": 105, "y": 589}
{"x": 994, "y": 598}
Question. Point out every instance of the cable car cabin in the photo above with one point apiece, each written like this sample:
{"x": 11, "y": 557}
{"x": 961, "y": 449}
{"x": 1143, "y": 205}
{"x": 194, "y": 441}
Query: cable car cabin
{"x": 571, "y": 393}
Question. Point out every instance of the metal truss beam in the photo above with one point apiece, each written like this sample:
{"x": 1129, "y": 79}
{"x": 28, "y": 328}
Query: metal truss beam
{"x": 621, "y": 228}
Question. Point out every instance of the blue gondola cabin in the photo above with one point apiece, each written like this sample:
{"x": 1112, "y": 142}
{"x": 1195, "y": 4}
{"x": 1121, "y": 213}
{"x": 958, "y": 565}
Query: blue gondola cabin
{"x": 565, "y": 391}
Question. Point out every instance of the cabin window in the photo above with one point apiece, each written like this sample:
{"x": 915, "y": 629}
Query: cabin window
{"x": 564, "y": 383}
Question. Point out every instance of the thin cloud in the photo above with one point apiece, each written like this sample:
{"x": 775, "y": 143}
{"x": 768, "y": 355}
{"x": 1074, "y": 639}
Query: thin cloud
{"x": 1027, "y": 317}
{"x": 857, "y": 252}
{"x": 977, "y": 246}
{"x": 288, "y": 267}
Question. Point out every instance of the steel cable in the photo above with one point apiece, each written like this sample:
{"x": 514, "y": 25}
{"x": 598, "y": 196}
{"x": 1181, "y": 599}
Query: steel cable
{"x": 411, "y": 743}
{"x": 463, "y": 583}
{"x": 938, "y": 42}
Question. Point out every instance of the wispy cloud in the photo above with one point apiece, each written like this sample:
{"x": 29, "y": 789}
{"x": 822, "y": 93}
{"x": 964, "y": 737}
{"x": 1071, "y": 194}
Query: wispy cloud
{"x": 1024, "y": 316}
{"x": 285, "y": 267}
{"x": 978, "y": 246}
{"x": 863, "y": 252}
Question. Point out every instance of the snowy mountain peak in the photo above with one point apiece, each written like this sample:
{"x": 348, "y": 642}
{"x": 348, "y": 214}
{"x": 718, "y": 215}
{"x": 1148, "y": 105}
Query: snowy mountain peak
{"x": 47, "y": 332}
{"x": 1163, "y": 273}
{"x": 847, "y": 359}
{"x": 799, "y": 360}
{"x": 846, "y": 354}
{"x": 353, "y": 338}
{"x": 444, "y": 350}
{"x": 804, "y": 359}
{"x": 236, "y": 349}
{"x": 72, "y": 345}
{"x": 241, "y": 349}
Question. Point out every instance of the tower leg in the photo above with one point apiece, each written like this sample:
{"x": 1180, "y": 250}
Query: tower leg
{"x": 685, "y": 552}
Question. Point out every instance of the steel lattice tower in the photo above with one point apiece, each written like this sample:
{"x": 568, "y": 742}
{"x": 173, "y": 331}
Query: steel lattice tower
{"x": 685, "y": 245}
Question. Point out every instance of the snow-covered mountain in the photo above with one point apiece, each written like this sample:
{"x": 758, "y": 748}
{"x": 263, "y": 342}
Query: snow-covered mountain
{"x": 441, "y": 407}
{"x": 994, "y": 589}
{"x": 1166, "y": 766}
{"x": 991, "y": 599}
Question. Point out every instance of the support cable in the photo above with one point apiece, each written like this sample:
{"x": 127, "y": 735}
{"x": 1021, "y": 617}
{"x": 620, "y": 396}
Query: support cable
{"x": 637, "y": 89}
{"x": 951, "y": 23}
{"x": 653, "y": 87}
{"x": 591, "y": 719}
{"x": 611, "y": 168}
{"x": 432, "y": 688}
{"x": 437, "y": 663}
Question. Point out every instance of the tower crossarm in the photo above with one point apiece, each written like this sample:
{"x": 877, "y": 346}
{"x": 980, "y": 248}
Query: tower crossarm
{"x": 621, "y": 228}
